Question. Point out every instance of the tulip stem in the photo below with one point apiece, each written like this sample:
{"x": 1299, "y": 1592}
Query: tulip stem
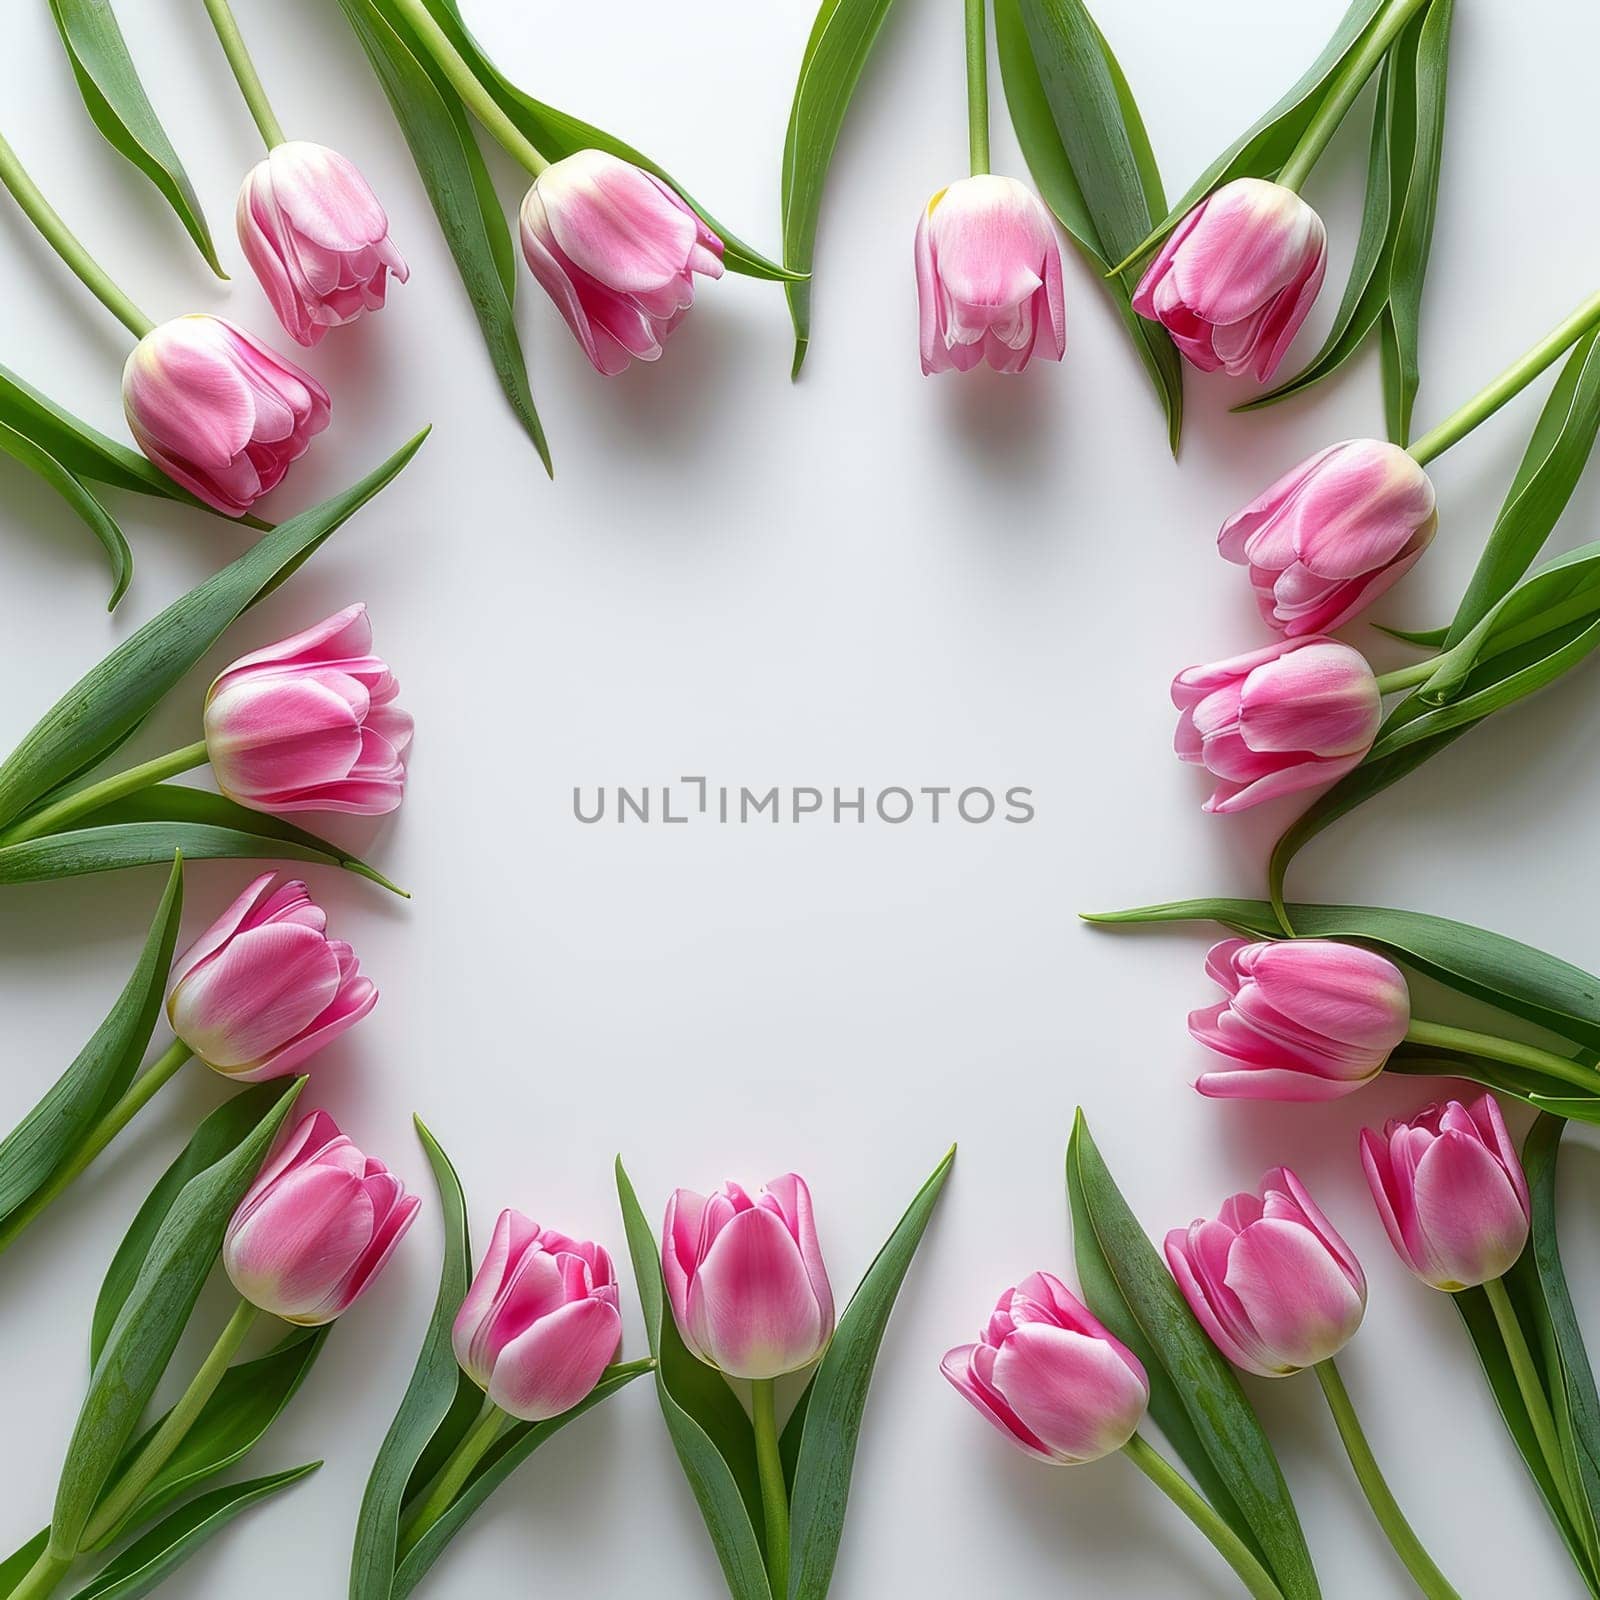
{"x": 452, "y": 1477}
{"x": 82, "y": 801}
{"x": 1187, "y": 1499}
{"x": 1407, "y": 1545}
{"x": 774, "y": 1488}
{"x": 244, "y": 71}
{"x": 467, "y": 84}
{"x": 67, "y": 245}
{"x": 1408, "y": 677}
{"x": 977, "y": 86}
{"x": 43, "y": 1577}
{"x": 1511, "y": 1051}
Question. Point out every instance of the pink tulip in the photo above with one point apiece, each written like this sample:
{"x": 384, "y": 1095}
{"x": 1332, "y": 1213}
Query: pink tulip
{"x": 310, "y": 723}
{"x": 217, "y": 411}
{"x": 1050, "y": 1377}
{"x": 314, "y": 234}
{"x": 1297, "y": 715}
{"x": 264, "y": 988}
{"x": 617, "y": 250}
{"x": 1332, "y": 535}
{"x": 1451, "y": 1193}
{"x": 316, "y": 1227}
{"x": 745, "y": 1278}
{"x": 988, "y": 278}
{"x": 540, "y": 1322}
{"x": 1236, "y": 278}
{"x": 1305, "y": 1019}
{"x": 1270, "y": 1280}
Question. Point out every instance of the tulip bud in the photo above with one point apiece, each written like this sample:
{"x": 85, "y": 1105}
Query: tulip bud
{"x": 316, "y": 1227}
{"x": 745, "y": 1278}
{"x": 218, "y": 412}
{"x": 1296, "y": 715}
{"x": 314, "y": 234}
{"x": 1236, "y": 278}
{"x": 540, "y": 1322}
{"x": 1305, "y": 1019}
{"x": 1270, "y": 1280}
{"x": 264, "y": 988}
{"x": 988, "y": 278}
{"x": 1451, "y": 1192}
{"x": 1332, "y": 535}
{"x": 310, "y": 723}
{"x": 617, "y": 250}
{"x": 1050, "y": 1377}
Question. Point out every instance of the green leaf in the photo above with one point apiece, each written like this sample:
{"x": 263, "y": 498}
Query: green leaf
{"x": 708, "y": 1426}
{"x": 120, "y": 109}
{"x": 18, "y": 1565}
{"x": 1541, "y": 1090}
{"x": 828, "y": 1420}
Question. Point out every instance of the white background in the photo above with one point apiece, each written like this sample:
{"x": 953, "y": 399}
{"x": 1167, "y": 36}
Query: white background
{"x": 867, "y": 578}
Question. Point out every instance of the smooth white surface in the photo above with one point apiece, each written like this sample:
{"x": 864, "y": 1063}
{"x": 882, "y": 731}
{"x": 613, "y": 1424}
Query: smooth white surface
{"x": 863, "y": 579}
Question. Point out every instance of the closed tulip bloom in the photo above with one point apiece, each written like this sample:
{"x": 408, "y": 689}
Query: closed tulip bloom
{"x": 745, "y": 1278}
{"x": 988, "y": 278}
{"x": 264, "y": 988}
{"x": 1304, "y": 1019}
{"x": 1450, "y": 1189}
{"x": 218, "y": 412}
{"x": 1236, "y": 278}
{"x": 540, "y": 1322}
{"x": 310, "y": 723}
{"x": 1296, "y": 715}
{"x": 1050, "y": 1377}
{"x": 617, "y": 250}
{"x": 316, "y": 1227}
{"x": 316, "y": 237}
{"x": 1332, "y": 535}
{"x": 1270, "y": 1280}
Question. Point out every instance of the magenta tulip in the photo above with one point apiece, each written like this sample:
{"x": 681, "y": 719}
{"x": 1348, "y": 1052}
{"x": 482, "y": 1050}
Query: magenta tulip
{"x": 1305, "y": 1019}
{"x": 1270, "y": 1280}
{"x": 617, "y": 250}
{"x": 1236, "y": 278}
{"x": 988, "y": 278}
{"x": 540, "y": 1322}
{"x": 316, "y": 237}
{"x": 310, "y": 723}
{"x": 264, "y": 988}
{"x": 1296, "y": 715}
{"x": 218, "y": 412}
{"x": 745, "y": 1278}
{"x": 1050, "y": 1377}
{"x": 1451, "y": 1192}
{"x": 316, "y": 1227}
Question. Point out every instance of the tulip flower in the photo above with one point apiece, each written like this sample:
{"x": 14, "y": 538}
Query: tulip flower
{"x": 310, "y": 723}
{"x": 1236, "y": 278}
{"x": 1332, "y": 535}
{"x": 316, "y": 238}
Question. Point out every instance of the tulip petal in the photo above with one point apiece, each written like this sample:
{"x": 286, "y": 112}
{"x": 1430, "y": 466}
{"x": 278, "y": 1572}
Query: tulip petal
{"x": 551, "y": 1366}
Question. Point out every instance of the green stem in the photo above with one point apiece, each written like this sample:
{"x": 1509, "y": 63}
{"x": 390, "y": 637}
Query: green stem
{"x": 82, "y": 801}
{"x": 774, "y": 1490}
{"x": 67, "y": 245}
{"x": 1183, "y": 1495}
{"x": 1362, "y": 62}
{"x": 134, "y": 1100}
{"x": 1512, "y": 381}
{"x": 1512, "y": 1051}
{"x": 1408, "y": 677}
{"x": 465, "y": 82}
{"x": 977, "y": 86}
{"x": 43, "y": 1577}
{"x": 244, "y": 71}
{"x": 453, "y": 1476}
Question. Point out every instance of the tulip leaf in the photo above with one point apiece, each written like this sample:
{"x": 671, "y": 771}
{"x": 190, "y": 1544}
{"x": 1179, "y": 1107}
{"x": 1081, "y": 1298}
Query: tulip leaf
{"x": 1541, "y": 1090}
{"x": 708, "y": 1426}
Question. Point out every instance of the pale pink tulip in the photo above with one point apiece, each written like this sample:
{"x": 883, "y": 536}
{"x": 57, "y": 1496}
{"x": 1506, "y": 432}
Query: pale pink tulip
{"x": 264, "y": 988}
{"x": 316, "y": 237}
{"x": 745, "y": 1278}
{"x": 540, "y": 1322}
{"x": 1451, "y": 1192}
{"x": 310, "y": 723}
{"x": 988, "y": 278}
{"x": 217, "y": 411}
{"x": 1050, "y": 1377}
{"x": 1305, "y": 1019}
{"x": 1270, "y": 1280}
{"x": 617, "y": 250}
{"x": 1235, "y": 280}
{"x": 316, "y": 1227}
{"x": 1296, "y": 715}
